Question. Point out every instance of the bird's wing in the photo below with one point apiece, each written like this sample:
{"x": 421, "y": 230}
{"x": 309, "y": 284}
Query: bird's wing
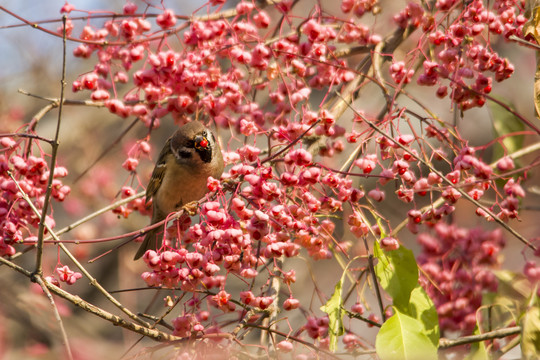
{"x": 159, "y": 171}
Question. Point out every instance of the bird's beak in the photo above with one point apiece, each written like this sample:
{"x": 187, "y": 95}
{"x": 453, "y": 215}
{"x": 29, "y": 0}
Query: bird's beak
{"x": 201, "y": 143}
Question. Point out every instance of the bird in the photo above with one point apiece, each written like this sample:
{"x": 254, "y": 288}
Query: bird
{"x": 180, "y": 175}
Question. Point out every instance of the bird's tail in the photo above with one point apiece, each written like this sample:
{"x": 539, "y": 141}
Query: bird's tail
{"x": 149, "y": 242}
{"x": 153, "y": 238}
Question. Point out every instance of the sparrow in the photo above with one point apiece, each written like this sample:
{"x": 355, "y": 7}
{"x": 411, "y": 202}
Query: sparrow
{"x": 189, "y": 157}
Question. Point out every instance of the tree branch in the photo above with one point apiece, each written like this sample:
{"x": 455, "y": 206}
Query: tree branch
{"x": 495, "y": 334}
{"x": 54, "y": 154}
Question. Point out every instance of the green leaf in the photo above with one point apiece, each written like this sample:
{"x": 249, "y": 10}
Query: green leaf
{"x": 530, "y": 333}
{"x": 416, "y": 314}
{"x": 402, "y": 337}
{"x": 478, "y": 349}
{"x": 423, "y": 309}
{"x": 397, "y": 273}
{"x": 334, "y": 309}
{"x": 381, "y": 226}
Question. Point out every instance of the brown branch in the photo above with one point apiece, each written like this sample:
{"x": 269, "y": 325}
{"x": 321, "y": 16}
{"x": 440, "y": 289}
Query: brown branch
{"x": 29, "y": 136}
{"x": 96, "y": 214}
{"x": 362, "y": 318}
{"x": 524, "y": 42}
{"x": 495, "y": 334}
{"x": 93, "y": 281}
{"x": 86, "y": 306}
{"x": 371, "y": 268}
{"x": 54, "y": 153}
{"x": 41, "y": 283}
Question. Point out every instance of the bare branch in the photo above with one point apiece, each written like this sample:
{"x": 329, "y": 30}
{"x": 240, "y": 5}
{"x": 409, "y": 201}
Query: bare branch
{"x": 495, "y": 334}
{"x": 54, "y": 154}
{"x": 93, "y": 281}
{"x": 65, "y": 339}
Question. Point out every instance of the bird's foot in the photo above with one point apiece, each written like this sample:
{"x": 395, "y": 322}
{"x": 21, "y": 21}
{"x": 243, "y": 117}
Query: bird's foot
{"x": 191, "y": 208}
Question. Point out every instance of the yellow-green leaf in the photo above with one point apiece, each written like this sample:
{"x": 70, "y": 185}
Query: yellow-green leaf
{"x": 402, "y": 337}
{"x": 421, "y": 308}
{"x": 530, "y": 333}
{"x": 334, "y": 309}
{"x": 397, "y": 273}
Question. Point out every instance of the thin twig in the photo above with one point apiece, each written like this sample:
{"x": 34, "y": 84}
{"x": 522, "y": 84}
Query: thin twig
{"x": 107, "y": 150}
{"x": 524, "y": 42}
{"x": 29, "y": 136}
{"x": 291, "y": 144}
{"x": 76, "y": 300}
{"x": 93, "y": 281}
{"x": 287, "y": 336}
{"x": 374, "y": 279}
{"x": 54, "y": 154}
{"x": 96, "y": 214}
{"x": 458, "y": 189}
{"x": 273, "y": 291}
{"x": 509, "y": 346}
{"x": 36, "y": 118}
{"x": 54, "y": 103}
{"x": 360, "y": 317}
{"x": 515, "y": 155}
{"x": 97, "y": 285}
{"x": 495, "y": 334}
{"x": 41, "y": 283}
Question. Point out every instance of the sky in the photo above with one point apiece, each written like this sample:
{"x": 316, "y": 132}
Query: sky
{"x": 21, "y": 46}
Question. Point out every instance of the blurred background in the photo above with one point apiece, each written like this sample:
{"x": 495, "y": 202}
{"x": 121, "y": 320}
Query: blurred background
{"x": 31, "y": 61}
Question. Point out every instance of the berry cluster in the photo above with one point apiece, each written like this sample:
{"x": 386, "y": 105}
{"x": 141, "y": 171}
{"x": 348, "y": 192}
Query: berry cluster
{"x": 532, "y": 272}
{"x": 180, "y": 83}
{"x": 239, "y": 238}
{"x": 462, "y": 53}
{"x": 459, "y": 264}
{"x": 468, "y": 173}
{"x": 29, "y": 173}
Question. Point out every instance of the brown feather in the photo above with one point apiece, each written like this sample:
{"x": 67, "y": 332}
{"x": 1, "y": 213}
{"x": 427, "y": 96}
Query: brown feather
{"x": 159, "y": 171}
{"x": 152, "y": 237}
{"x": 177, "y": 182}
